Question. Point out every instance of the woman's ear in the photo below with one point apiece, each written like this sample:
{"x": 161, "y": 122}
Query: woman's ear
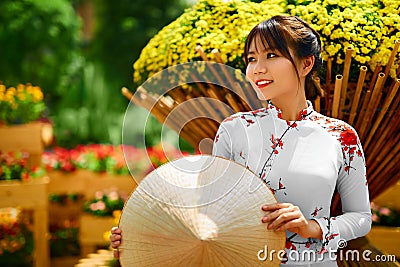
{"x": 307, "y": 65}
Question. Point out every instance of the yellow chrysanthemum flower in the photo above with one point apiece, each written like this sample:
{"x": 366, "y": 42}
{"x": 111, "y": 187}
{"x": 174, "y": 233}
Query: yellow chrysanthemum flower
{"x": 370, "y": 27}
{"x": 20, "y": 104}
{"x": 213, "y": 24}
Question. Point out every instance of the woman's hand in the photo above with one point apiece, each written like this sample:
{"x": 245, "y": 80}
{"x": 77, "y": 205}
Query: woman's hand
{"x": 286, "y": 216}
{"x": 115, "y": 238}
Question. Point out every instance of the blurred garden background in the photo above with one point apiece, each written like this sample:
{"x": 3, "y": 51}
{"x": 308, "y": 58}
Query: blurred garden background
{"x": 64, "y": 62}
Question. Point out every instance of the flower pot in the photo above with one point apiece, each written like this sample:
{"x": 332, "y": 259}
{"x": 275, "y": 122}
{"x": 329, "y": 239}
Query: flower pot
{"x": 386, "y": 239}
{"x": 31, "y": 195}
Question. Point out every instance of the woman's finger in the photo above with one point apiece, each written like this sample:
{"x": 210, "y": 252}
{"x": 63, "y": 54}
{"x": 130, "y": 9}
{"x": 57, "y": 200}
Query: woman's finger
{"x": 272, "y": 216}
{"x": 275, "y": 206}
{"x": 116, "y": 230}
{"x": 284, "y": 218}
{"x": 115, "y": 237}
{"x": 116, "y": 254}
{"x": 115, "y": 244}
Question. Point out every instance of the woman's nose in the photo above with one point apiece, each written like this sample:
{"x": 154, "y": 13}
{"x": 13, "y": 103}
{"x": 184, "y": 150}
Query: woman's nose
{"x": 260, "y": 68}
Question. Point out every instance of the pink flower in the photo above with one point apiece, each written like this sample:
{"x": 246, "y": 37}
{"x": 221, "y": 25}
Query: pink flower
{"x": 385, "y": 211}
{"x": 98, "y": 195}
{"x": 374, "y": 206}
{"x": 375, "y": 218}
{"x": 93, "y": 206}
{"x": 101, "y": 205}
{"x": 113, "y": 196}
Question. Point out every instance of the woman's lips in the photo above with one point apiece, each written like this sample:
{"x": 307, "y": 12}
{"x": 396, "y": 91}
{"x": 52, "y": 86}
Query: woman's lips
{"x": 263, "y": 83}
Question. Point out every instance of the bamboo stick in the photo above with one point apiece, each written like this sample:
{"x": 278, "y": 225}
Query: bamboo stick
{"x": 357, "y": 94}
{"x": 228, "y": 76}
{"x": 391, "y": 59}
{"x": 232, "y": 103}
{"x": 346, "y": 70}
{"x": 236, "y": 89}
{"x": 385, "y": 131}
{"x": 385, "y": 107}
{"x": 223, "y": 110}
{"x": 364, "y": 106}
{"x": 200, "y": 114}
{"x": 217, "y": 116}
{"x": 382, "y": 162}
{"x": 374, "y": 76}
{"x": 199, "y": 84}
{"x": 336, "y": 95}
{"x": 217, "y": 56}
{"x": 212, "y": 93}
{"x": 382, "y": 137}
{"x": 367, "y": 97}
{"x": 185, "y": 117}
{"x": 247, "y": 105}
{"x": 317, "y": 102}
{"x": 149, "y": 102}
{"x": 370, "y": 112}
{"x": 199, "y": 49}
{"x": 328, "y": 86}
{"x": 125, "y": 92}
{"x": 390, "y": 170}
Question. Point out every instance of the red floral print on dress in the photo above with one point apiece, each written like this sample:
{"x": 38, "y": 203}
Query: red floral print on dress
{"x": 315, "y": 212}
{"x": 290, "y": 245}
{"x": 348, "y": 138}
{"x": 276, "y": 142}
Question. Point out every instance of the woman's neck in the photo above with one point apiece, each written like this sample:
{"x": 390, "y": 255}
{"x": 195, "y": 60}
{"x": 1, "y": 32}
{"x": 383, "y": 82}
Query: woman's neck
{"x": 290, "y": 108}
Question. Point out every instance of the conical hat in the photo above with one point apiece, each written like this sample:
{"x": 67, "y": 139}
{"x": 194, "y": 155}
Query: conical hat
{"x": 199, "y": 211}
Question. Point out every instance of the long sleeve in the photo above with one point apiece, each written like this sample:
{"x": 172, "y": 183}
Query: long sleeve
{"x": 222, "y": 144}
{"x": 353, "y": 189}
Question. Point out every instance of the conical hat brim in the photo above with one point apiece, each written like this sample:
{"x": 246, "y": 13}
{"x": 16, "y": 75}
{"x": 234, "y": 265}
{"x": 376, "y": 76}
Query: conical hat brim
{"x": 198, "y": 211}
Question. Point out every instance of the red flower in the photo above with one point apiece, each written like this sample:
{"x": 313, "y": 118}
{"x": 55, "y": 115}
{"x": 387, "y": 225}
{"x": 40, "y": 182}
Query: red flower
{"x": 348, "y": 138}
{"x": 25, "y": 176}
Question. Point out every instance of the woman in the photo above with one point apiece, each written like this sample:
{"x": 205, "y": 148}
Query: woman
{"x": 302, "y": 155}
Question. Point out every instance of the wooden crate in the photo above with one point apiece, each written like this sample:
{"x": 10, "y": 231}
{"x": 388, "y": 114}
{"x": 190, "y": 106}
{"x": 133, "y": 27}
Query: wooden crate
{"x": 386, "y": 239}
{"x": 91, "y": 232}
{"x": 29, "y": 137}
{"x": 100, "y": 181}
{"x": 88, "y": 182}
{"x": 66, "y": 182}
{"x": 31, "y": 195}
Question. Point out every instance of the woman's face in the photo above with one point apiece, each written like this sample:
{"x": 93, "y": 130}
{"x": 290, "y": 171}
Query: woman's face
{"x": 273, "y": 74}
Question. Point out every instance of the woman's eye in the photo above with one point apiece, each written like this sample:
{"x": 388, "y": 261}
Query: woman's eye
{"x": 251, "y": 59}
{"x": 271, "y": 55}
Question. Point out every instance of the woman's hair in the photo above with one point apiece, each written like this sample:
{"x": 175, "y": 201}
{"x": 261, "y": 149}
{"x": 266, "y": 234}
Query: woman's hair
{"x": 283, "y": 32}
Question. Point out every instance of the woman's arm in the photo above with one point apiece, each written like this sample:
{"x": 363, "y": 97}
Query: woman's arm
{"x": 353, "y": 189}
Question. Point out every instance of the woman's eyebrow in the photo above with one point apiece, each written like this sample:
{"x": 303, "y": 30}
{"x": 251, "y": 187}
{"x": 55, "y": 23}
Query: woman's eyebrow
{"x": 263, "y": 50}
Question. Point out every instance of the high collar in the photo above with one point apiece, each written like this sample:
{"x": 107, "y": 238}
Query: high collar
{"x": 304, "y": 114}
